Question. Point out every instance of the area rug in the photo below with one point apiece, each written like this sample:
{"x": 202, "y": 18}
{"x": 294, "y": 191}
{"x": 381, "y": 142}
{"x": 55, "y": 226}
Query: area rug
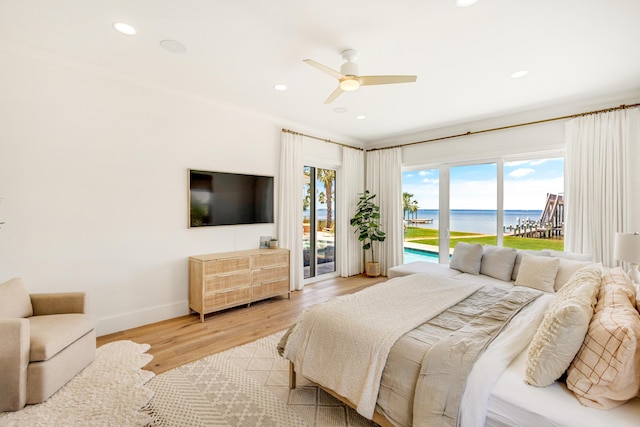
{"x": 243, "y": 386}
{"x": 109, "y": 392}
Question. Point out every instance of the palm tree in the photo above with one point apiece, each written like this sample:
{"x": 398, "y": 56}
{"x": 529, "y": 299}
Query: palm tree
{"x": 327, "y": 177}
{"x": 413, "y": 208}
{"x": 406, "y": 204}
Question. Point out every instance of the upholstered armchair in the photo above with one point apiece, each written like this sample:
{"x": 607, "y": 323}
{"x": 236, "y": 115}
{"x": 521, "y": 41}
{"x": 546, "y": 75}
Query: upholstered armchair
{"x": 45, "y": 340}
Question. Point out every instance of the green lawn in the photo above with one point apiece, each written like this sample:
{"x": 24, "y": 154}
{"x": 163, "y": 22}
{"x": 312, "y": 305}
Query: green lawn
{"x": 427, "y": 236}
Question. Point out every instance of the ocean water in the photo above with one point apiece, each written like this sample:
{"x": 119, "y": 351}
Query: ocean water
{"x": 473, "y": 221}
{"x": 476, "y": 221}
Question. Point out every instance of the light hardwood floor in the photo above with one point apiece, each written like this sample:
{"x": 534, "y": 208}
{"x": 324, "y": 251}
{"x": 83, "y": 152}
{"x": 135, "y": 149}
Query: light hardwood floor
{"x": 184, "y": 339}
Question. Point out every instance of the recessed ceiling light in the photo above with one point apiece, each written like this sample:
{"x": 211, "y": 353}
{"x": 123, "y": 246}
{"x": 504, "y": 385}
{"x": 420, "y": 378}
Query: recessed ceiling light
{"x": 340, "y": 110}
{"x": 280, "y": 87}
{"x": 124, "y": 28}
{"x": 173, "y": 46}
{"x": 465, "y": 3}
{"x": 361, "y": 117}
{"x": 519, "y": 74}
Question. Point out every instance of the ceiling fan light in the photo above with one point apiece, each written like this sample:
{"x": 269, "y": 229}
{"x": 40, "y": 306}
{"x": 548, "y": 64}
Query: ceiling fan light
{"x": 349, "y": 85}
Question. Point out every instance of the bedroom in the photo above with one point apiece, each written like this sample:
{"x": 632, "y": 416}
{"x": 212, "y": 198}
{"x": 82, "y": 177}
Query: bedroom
{"x": 93, "y": 165}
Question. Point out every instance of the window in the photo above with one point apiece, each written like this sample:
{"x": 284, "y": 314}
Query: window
{"x": 514, "y": 203}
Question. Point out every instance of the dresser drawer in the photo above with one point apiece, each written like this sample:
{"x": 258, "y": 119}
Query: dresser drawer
{"x": 226, "y": 265}
{"x": 223, "y": 282}
{"x": 270, "y": 259}
{"x": 268, "y": 274}
{"x": 229, "y": 298}
{"x": 269, "y": 289}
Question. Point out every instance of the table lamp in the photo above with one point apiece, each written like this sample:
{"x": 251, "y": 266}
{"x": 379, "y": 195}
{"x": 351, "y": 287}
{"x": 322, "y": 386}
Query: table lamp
{"x": 627, "y": 249}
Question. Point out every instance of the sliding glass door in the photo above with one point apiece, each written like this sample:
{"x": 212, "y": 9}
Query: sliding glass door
{"x": 318, "y": 221}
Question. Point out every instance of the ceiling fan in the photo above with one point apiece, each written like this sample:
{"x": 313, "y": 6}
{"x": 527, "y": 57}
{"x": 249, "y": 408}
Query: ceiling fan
{"x": 348, "y": 78}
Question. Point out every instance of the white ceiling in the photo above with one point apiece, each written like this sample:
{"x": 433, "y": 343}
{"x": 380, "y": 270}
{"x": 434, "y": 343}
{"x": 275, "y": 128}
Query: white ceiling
{"x": 463, "y": 57}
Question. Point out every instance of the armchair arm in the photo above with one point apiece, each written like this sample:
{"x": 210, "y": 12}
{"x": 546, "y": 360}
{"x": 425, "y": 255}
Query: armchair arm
{"x": 14, "y": 359}
{"x": 58, "y": 303}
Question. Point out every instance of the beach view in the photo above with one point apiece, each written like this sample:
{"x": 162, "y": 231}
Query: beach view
{"x": 532, "y": 207}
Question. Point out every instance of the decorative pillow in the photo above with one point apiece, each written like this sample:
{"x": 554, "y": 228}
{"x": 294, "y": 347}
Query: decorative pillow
{"x": 14, "y": 300}
{"x": 538, "y": 272}
{"x": 467, "y": 257}
{"x": 606, "y": 370}
{"x": 563, "y": 328}
{"x": 568, "y": 255}
{"x": 516, "y": 265}
{"x": 498, "y": 262}
{"x": 566, "y": 268}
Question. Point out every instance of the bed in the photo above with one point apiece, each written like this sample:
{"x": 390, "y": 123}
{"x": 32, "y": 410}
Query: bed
{"x": 433, "y": 370}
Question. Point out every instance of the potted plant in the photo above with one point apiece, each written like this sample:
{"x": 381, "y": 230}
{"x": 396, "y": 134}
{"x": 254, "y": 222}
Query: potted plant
{"x": 366, "y": 221}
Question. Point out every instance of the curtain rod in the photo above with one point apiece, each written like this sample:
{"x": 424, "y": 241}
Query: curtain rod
{"x": 323, "y": 140}
{"x": 572, "y": 116}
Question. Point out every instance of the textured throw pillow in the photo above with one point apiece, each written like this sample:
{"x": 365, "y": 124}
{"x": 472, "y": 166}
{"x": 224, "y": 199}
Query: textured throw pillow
{"x": 498, "y": 262}
{"x": 606, "y": 370}
{"x": 538, "y": 272}
{"x": 563, "y": 328}
{"x": 566, "y": 268}
{"x": 516, "y": 265}
{"x": 14, "y": 300}
{"x": 467, "y": 258}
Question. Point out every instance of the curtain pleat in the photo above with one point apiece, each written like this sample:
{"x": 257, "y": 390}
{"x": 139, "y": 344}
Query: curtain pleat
{"x": 384, "y": 179}
{"x": 350, "y": 182}
{"x": 290, "y": 204}
{"x": 598, "y": 184}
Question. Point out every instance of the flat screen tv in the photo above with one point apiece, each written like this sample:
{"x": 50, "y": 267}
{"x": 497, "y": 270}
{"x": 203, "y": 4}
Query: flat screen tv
{"x": 220, "y": 198}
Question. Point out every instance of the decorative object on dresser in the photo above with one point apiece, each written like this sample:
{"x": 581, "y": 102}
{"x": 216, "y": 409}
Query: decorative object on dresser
{"x": 229, "y": 279}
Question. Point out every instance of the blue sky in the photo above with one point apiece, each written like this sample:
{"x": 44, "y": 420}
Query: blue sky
{"x": 526, "y": 186}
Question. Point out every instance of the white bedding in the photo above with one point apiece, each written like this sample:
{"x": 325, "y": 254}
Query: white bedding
{"x": 514, "y": 403}
{"x": 355, "y": 333}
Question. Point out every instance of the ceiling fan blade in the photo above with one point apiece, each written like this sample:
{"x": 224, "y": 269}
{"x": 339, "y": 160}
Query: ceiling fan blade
{"x": 385, "y": 80}
{"x": 324, "y": 68}
{"x": 336, "y": 93}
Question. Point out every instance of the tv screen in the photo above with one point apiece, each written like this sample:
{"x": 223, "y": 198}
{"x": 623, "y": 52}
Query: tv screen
{"x": 220, "y": 198}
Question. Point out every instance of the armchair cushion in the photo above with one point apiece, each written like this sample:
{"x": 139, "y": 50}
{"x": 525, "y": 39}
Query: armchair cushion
{"x": 58, "y": 303}
{"x": 50, "y": 334}
{"x": 14, "y": 300}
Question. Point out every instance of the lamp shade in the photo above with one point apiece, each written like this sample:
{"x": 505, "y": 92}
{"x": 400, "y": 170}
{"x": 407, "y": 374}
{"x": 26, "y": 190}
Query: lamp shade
{"x": 627, "y": 247}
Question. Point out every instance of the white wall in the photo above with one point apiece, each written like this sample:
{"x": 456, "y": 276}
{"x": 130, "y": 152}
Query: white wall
{"x": 93, "y": 184}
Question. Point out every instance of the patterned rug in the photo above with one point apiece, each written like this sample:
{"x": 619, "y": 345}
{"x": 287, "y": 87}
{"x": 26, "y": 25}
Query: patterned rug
{"x": 108, "y": 392}
{"x": 243, "y": 386}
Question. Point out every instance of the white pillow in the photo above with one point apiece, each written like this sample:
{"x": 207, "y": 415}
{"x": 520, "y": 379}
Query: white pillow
{"x": 568, "y": 255}
{"x": 538, "y": 272}
{"x": 566, "y": 268}
{"x": 498, "y": 262}
{"x": 467, "y": 257}
{"x": 563, "y": 328}
{"x": 516, "y": 265}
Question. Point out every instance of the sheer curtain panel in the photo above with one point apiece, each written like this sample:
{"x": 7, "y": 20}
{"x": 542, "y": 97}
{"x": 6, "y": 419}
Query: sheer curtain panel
{"x": 601, "y": 181}
{"x": 290, "y": 185}
{"x": 350, "y": 186}
{"x": 384, "y": 179}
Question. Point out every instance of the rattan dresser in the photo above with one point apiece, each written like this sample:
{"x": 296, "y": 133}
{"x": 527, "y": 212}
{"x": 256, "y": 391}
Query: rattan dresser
{"x": 229, "y": 279}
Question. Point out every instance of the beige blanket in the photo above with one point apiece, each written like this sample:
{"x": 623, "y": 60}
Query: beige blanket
{"x": 343, "y": 344}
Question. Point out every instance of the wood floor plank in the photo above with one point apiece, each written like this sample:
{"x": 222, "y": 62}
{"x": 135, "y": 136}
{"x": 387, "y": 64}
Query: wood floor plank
{"x": 184, "y": 339}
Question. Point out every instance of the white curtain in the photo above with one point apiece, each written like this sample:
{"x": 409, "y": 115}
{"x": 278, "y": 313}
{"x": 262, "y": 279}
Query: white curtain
{"x": 290, "y": 185}
{"x": 350, "y": 183}
{"x": 600, "y": 180}
{"x": 384, "y": 179}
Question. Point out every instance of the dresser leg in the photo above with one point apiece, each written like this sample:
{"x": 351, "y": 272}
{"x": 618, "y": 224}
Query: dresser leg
{"x": 292, "y": 376}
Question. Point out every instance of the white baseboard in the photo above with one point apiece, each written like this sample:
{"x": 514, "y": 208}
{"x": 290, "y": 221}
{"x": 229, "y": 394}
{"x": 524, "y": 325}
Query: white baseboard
{"x": 121, "y": 322}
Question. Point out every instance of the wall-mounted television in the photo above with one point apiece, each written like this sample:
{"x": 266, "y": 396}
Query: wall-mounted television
{"x": 221, "y": 198}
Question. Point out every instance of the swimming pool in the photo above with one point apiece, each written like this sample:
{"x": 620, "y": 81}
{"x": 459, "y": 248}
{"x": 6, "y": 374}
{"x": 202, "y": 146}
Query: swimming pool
{"x": 411, "y": 255}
